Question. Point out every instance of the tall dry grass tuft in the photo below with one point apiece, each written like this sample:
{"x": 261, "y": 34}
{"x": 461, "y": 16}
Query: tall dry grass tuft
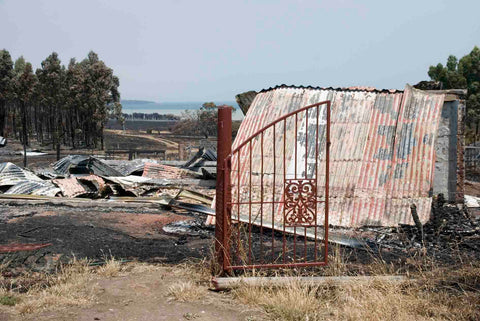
{"x": 195, "y": 275}
{"x": 293, "y": 302}
{"x": 186, "y": 291}
{"x": 69, "y": 287}
{"x": 110, "y": 268}
{"x": 437, "y": 293}
{"x": 442, "y": 298}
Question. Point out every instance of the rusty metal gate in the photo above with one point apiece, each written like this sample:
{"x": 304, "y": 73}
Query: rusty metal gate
{"x": 272, "y": 192}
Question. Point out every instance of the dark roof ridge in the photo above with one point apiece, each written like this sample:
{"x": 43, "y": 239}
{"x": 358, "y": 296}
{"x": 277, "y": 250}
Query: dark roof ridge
{"x": 351, "y": 88}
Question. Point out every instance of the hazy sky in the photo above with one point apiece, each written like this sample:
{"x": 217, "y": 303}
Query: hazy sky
{"x": 211, "y": 50}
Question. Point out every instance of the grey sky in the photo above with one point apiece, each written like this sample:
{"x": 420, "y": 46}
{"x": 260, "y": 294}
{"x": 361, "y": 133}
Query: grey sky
{"x": 211, "y": 50}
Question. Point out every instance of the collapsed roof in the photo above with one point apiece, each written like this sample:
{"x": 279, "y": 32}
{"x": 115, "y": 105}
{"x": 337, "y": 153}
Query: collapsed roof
{"x": 84, "y": 165}
{"x": 11, "y": 174}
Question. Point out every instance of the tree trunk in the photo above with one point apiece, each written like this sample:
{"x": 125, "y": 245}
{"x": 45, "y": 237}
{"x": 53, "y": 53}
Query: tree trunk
{"x": 14, "y": 123}
{"x": 35, "y": 119}
{"x": 25, "y": 134}
{"x": 72, "y": 132}
{"x": 2, "y": 117}
{"x": 101, "y": 137}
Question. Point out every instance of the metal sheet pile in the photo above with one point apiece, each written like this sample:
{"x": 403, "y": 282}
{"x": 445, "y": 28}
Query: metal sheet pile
{"x": 91, "y": 177}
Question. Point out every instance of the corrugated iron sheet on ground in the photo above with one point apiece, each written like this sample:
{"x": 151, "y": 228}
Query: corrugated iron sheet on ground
{"x": 94, "y": 179}
{"x": 130, "y": 180}
{"x": 81, "y": 164}
{"x": 34, "y": 188}
{"x": 73, "y": 186}
{"x": 153, "y": 170}
{"x": 11, "y": 174}
{"x": 381, "y": 157}
{"x": 70, "y": 187}
{"x": 128, "y": 167}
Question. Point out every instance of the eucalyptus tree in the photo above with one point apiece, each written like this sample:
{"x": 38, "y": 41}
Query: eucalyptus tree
{"x": 463, "y": 73}
{"x": 25, "y": 82}
{"x": 66, "y": 105}
{"x": 14, "y": 112}
{"x": 6, "y": 75}
{"x": 74, "y": 80}
{"x": 101, "y": 97}
{"x": 51, "y": 95}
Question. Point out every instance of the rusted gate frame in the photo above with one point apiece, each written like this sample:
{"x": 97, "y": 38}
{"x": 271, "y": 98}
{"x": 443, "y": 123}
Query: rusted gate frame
{"x": 224, "y": 202}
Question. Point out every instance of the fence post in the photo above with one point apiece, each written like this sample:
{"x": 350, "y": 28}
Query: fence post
{"x": 224, "y": 148}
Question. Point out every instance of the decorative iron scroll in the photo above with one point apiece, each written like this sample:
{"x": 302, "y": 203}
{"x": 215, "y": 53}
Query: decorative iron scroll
{"x": 300, "y": 202}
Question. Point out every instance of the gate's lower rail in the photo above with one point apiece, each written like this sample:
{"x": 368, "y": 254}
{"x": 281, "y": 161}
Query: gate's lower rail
{"x": 272, "y": 193}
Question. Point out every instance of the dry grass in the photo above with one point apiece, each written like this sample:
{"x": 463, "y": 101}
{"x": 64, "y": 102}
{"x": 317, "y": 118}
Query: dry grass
{"x": 111, "y": 268}
{"x": 72, "y": 285}
{"x": 186, "y": 291}
{"x": 197, "y": 276}
{"x": 437, "y": 294}
{"x": 69, "y": 287}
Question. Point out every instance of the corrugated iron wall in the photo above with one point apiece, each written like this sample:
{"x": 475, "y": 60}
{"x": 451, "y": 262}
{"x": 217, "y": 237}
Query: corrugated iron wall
{"x": 382, "y": 153}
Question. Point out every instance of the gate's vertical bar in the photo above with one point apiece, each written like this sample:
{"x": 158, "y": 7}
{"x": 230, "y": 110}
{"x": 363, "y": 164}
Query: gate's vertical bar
{"x": 223, "y": 192}
{"x": 327, "y": 180}
{"x": 273, "y": 195}
{"x": 316, "y": 185}
{"x": 284, "y": 240}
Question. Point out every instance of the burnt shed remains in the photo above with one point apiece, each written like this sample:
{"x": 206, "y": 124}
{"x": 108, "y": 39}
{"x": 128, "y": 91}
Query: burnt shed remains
{"x": 391, "y": 149}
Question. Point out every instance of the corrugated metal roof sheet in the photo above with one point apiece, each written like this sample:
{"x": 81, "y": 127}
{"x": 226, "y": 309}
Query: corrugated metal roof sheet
{"x": 34, "y": 188}
{"x": 381, "y": 157}
{"x": 73, "y": 187}
{"x": 70, "y": 187}
{"x": 11, "y": 174}
{"x": 131, "y": 180}
{"x": 97, "y": 181}
{"x": 153, "y": 170}
{"x": 84, "y": 164}
{"x": 128, "y": 167}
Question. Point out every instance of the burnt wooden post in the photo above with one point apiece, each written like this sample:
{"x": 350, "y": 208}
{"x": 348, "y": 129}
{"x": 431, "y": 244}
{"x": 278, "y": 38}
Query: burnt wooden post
{"x": 222, "y": 221}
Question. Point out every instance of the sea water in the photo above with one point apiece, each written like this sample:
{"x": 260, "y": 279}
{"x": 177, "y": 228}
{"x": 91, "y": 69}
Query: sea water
{"x": 174, "y": 108}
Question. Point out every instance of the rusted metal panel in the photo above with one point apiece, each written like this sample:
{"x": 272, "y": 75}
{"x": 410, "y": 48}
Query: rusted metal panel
{"x": 17, "y": 247}
{"x": 97, "y": 181}
{"x": 153, "y": 170}
{"x": 382, "y": 153}
{"x": 70, "y": 187}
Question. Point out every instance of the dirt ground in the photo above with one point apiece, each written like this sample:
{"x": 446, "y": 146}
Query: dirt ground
{"x": 89, "y": 229}
{"x": 144, "y": 296}
{"x": 128, "y": 233}
{"x": 99, "y": 230}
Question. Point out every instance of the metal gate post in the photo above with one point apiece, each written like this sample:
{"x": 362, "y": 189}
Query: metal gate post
{"x": 222, "y": 221}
